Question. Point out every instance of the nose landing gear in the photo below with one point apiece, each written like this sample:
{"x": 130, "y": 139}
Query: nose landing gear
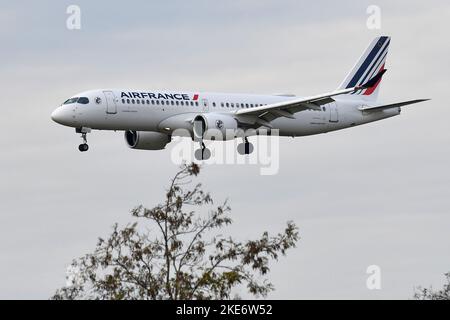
{"x": 84, "y": 146}
{"x": 84, "y": 131}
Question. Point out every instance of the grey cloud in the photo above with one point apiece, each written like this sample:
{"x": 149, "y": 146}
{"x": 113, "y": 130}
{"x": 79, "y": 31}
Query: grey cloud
{"x": 375, "y": 194}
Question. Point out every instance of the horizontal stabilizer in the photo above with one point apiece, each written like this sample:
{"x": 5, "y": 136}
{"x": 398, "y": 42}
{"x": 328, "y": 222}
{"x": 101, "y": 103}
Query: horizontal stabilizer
{"x": 392, "y": 105}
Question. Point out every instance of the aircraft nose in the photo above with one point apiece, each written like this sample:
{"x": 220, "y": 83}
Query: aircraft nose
{"x": 57, "y": 115}
{"x": 62, "y": 116}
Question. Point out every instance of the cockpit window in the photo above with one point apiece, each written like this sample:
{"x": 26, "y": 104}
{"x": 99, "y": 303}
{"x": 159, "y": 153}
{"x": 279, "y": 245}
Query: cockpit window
{"x": 71, "y": 100}
{"x": 83, "y": 100}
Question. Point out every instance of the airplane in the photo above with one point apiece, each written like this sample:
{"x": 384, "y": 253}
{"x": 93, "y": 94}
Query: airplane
{"x": 150, "y": 118}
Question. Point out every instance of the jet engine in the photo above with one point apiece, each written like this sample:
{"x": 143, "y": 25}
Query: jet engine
{"x": 214, "y": 126}
{"x": 146, "y": 140}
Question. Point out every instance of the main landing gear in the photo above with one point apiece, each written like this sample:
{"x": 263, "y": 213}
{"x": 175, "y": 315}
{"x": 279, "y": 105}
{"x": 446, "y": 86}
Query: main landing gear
{"x": 245, "y": 147}
{"x": 203, "y": 153}
{"x": 84, "y": 146}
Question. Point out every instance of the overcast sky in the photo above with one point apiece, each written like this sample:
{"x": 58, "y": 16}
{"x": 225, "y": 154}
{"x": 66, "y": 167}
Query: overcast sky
{"x": 378, "y": 194}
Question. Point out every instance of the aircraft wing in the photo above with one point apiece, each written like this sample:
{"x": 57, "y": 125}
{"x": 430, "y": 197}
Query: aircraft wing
{"x": 267, "y": 113}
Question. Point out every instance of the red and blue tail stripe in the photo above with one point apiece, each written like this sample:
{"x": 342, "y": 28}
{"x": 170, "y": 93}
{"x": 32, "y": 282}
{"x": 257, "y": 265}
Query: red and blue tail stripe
{"x": 371, "y": 62}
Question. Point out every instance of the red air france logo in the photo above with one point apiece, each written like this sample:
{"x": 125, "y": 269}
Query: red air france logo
{"x": 195, "y": 98}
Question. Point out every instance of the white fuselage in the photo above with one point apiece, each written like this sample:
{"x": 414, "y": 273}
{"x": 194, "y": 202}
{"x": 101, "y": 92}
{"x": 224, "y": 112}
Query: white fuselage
{"x": 140, "y": 110}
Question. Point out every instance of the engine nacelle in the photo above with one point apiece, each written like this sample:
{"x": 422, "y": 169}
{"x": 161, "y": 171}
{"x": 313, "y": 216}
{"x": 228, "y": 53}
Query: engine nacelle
{"x": 146, "y": 140}
{"x": 214, "y": 126}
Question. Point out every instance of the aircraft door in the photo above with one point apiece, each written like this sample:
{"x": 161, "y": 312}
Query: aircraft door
{"x": 111, "y": 106}
{"x": 334, "y": 115}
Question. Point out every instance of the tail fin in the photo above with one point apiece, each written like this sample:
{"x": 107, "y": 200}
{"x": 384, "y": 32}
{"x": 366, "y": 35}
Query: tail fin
{"x": 371, "y": 62}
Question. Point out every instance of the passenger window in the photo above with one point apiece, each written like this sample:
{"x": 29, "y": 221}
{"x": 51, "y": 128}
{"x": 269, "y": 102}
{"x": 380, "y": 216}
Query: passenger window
{"x": 221, "y": 104}
{"x": 138, "y": 101}
{"x": 157, "y": 102}
{"x": 132, "y": 101}
{"x": 192, "y": 104}
{"x": 123, "y": 101}
{"x": 227, "y": 105}
{"x": 182, "y": 103}
{"x": 214, "y": 104}
{"x": 177, "y": 102}
{"x": 196, "y": 103}
{"x": 128, "y": 101}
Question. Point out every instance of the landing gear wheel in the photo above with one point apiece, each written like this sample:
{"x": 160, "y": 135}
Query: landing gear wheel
{"x": 202, "y": 154}
{"x": 83, "y": 147}
{"x": 245, "y": 148}
{"x": 84, "y": 131}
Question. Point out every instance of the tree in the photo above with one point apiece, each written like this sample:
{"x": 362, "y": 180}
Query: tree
{"x": 172, "y": 252}
{"x": 429, "y": 294}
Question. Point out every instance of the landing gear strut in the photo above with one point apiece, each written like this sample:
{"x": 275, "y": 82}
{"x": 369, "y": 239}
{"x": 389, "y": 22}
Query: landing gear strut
{"x": 245, "y": 147}
{"x": 203, "y": 153}
{"x": 84, "y": 146}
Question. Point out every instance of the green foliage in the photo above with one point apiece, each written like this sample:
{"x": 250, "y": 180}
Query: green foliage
{"x": 430, "y": 294}
{"x": 172, "y": 252}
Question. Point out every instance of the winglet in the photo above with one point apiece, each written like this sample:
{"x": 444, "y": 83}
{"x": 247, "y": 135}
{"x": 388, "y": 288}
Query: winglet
{"x": 372, "y": 82}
